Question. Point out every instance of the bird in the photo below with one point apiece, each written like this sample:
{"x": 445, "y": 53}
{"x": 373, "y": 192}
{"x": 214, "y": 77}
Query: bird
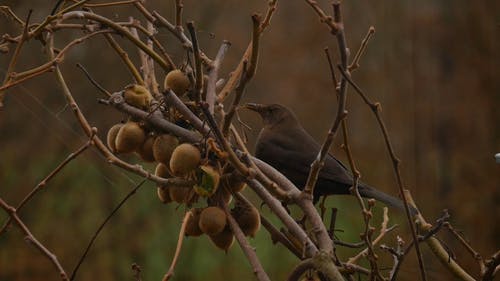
{"x": 285, "y": 145}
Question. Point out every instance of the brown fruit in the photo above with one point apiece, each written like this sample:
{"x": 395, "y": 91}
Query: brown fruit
{"x": 234, "y": 183}
{"x": 129, "y": 137}
{"x": 212, "y": 220}
{"x": 179, "y": 194}
{"x": 224, "y": 240}
{"x": 163, "y": 147}
{"x": 248, "y": 218}
{"x": 146, "y": 149}
{"x": 161, "y": 170}
{"x": 177, "y": 81}
{"x": 111, "y": 138}
{"x": 185, "y": 158}
{"x": 163, "y": 195}
{"x": 192, "y": 227}
{"x": 138, "y": 96}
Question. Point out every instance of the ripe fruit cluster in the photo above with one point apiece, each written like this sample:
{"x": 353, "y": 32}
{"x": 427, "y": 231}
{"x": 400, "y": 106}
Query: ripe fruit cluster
{"x": 196, "y": 164}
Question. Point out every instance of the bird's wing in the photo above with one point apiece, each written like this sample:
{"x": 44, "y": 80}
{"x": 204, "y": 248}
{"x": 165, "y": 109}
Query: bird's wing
{"x": 292, "y": 152}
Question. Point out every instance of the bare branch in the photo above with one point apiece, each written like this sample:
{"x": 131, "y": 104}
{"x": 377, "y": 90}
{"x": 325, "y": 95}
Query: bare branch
{"x": 125, "y": 58}
{"x": 178, "y": 12}
{"x": 13, "y": 60}
{"x": 213, "y": 75}
{"x": 94, "y": 237}
{"x": 376, "y": 108}
{"x": 249, "y": 252}
{"x": 182, "y": 232}
{"x": 197, "y": 60}
{"x": 53, "y": 258}
{"x": 50, "y": 176}
{"x": 355, "y": 62}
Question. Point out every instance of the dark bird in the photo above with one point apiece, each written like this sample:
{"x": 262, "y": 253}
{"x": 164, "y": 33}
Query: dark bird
{"x": 284, "y": 144}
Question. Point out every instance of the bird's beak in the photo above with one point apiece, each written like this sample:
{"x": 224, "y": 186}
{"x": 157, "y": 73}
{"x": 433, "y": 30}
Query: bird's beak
{"x": 254, "y": 107}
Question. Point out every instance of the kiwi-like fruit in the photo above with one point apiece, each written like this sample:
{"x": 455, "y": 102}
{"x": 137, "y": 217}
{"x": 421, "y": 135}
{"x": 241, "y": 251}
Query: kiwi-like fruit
{"x": 163, "y": 147}
{"x": 138, "y": 96}
{"x": 234, "y": 183}
{"x": 177, "y": 81}
{"x": 129, "y": 137}
{"x": 161, "y": 170}
{"x": 163, "y": 193}
{"x": 146, "y": 149}
{"x": 208, "y": 181}
{"x": 212, "y": 220}
{"x": 223, "y": 240}
{"x": 185, "y": 158}
{"x": 179, "y": 194}
{"x": 192, "y": 225}
{"x": 111, "y": 138}
{"x": 247, "y": 216}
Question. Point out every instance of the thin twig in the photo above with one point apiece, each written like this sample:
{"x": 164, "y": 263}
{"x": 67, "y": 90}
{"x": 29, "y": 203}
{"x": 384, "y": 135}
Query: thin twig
{"x": 13, "y": 60}
{"x": 232, "y": 82}
{"x": 178, "y": 12}
{"x": 436, "y": 247}
{"x": 94, "y": 237}
{"x": 49, "y": 19}
{"x": 239, "y": 93}
{"x": 277, "y": 236}
{"x": 178, "y": 32}
{"x": 58, "y": 58}
{"x": 341, "y": 111}
{"x": 92, "y": 80}
{"x": 383, "y": 231}
{"x": 332, "y": 71}
{"x": 355, "y": 61}
{"x": 8, "y": 11}
{"x": 121, "y": 30}
{"x": 50, "y": 176}
{"x": 254, "y": 57}
{"x": 125, "y": 58}
{"x": 111, "y": 4}
{"x": 376, "y": 109}
{"x": 333, "y": 26}
{"x": 29, "y": 237}
{"x": 465, "y": 243}
{"x": 272, "y": 4}
{"x": 182, "y": 232}
{"x": 197, "y": 60}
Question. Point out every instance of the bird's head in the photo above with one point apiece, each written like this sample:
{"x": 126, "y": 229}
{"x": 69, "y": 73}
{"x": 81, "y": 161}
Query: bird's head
{"x": 272, "y": 114}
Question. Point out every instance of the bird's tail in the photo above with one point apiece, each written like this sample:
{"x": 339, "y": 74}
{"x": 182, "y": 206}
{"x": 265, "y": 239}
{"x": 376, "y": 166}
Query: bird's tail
{"x": 391, "y": 201}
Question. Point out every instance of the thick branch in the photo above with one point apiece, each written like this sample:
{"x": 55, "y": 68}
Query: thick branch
{"x": 249, "y": 252}
{"x": 322, "y": 263}
{"x": 213, "y": 74}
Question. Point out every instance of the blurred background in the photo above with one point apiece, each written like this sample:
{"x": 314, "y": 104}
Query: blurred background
{"x": 433, "y": 65}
